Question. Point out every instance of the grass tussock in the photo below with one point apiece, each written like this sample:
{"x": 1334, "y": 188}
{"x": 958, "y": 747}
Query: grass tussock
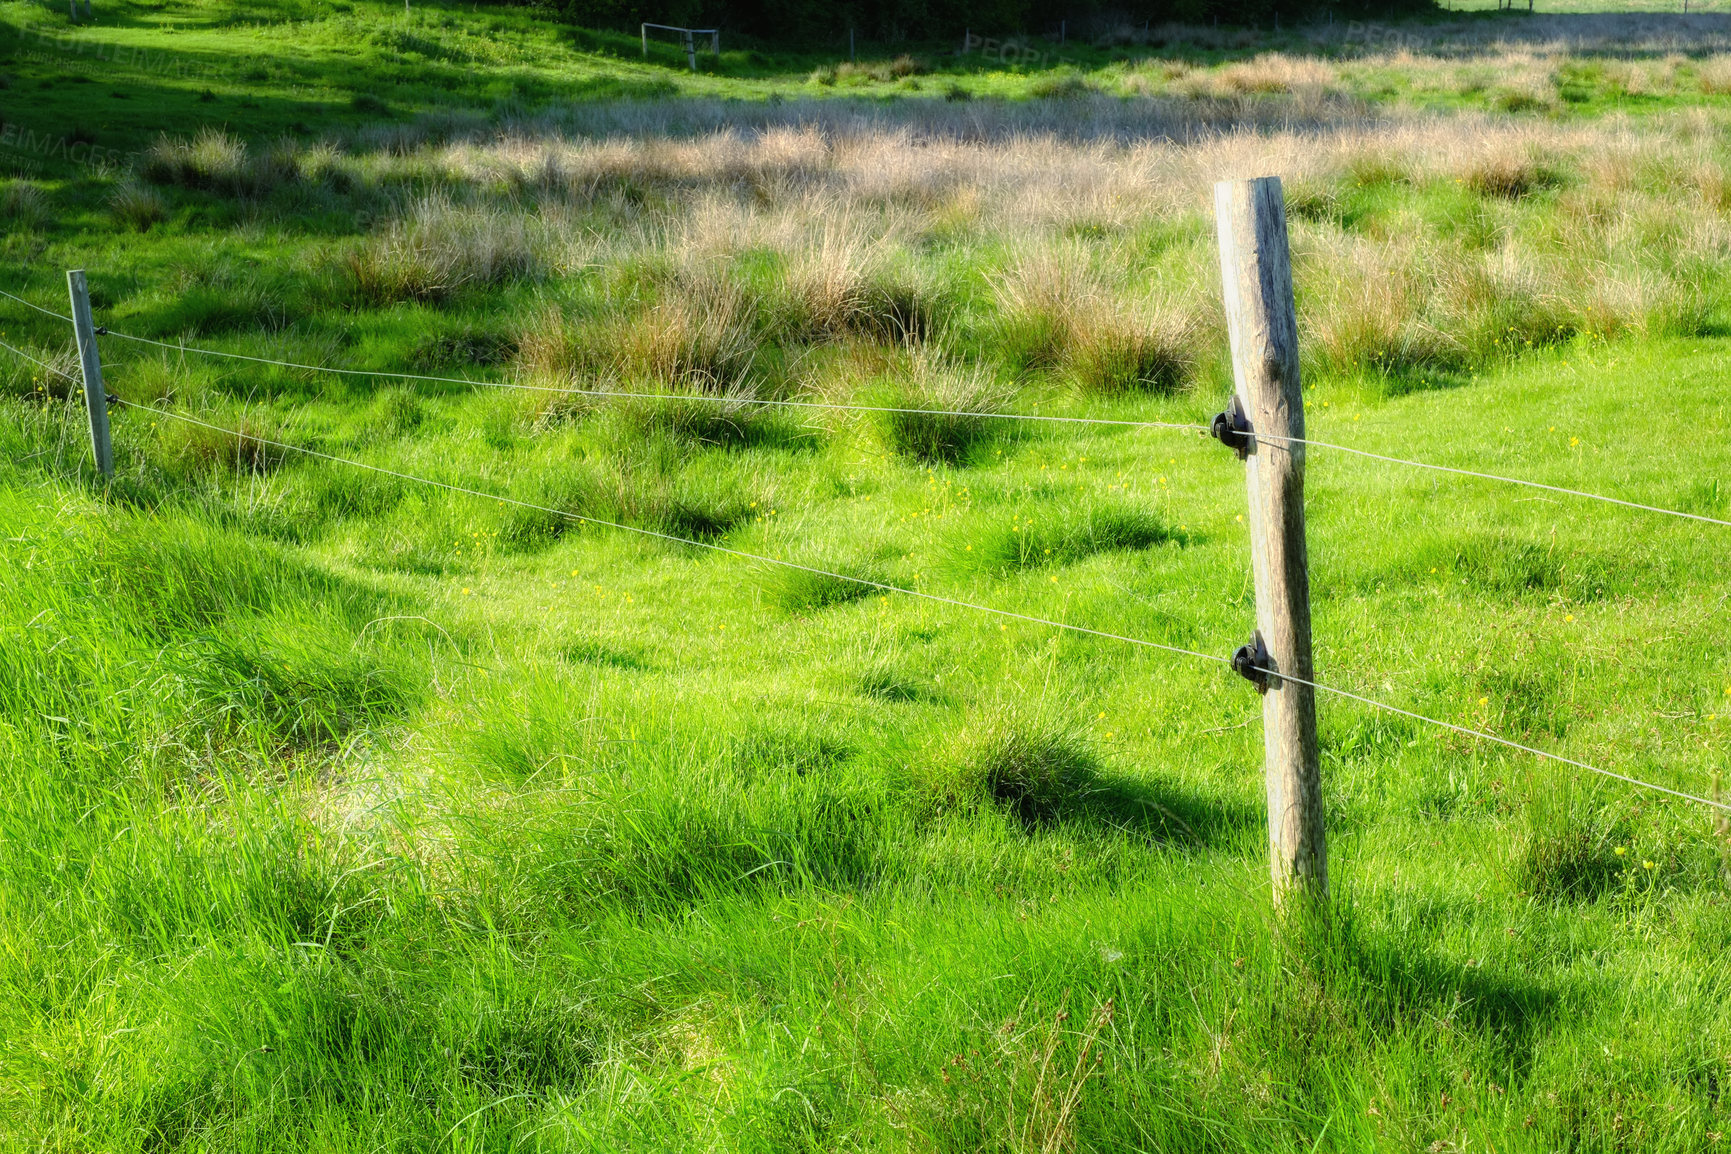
{"x": 440, "y": 248}
{"x": 1571, "y": 851}
{"x": 943, "y": 412}
{"x": 800, "y": 590}
{"x": 137, "y": 207}
{"x": 732, "y": 419}
{"x": 1029, "y": 762}
{"x": 643, "y": 490}
{"x": 215, "y": 161}
{"x": 699, "y": 335}
{"x": 250, "y": 449}
{"x": 1512, "y": 173}
{"x": 843, "y": 283}
{"x": 849, "y": 73}
{"x": 1057, "y": 314}
{"x": 23, "y": 204}
{"x": 1056, "y": 535}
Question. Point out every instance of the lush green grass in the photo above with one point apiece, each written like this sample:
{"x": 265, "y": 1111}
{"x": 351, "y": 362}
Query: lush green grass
{"x": 344, "y": 813}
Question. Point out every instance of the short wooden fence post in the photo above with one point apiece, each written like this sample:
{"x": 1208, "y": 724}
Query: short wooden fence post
{"x": 1256, "y": 275}
{"x": 95, "y": 394}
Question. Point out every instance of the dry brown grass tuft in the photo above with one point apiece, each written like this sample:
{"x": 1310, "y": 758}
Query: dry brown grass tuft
{"x": 1149, "y": 345}
{"x": 1058, "y": 313}
{"x": 752, "y": 236}
{"x": 1274, "y": 72}
{"x": 1511, "y": 169}
{"x": 439, "y": 248}
{"x": 700, "y": 335}
{"x": 1714, "y": 75}
{"x": 1363, "y": 306}
{"x": 832, "y": 279}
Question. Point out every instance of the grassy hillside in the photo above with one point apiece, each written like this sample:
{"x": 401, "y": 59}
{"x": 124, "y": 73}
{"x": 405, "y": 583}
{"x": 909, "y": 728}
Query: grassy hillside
{"x": 343, "y": 812}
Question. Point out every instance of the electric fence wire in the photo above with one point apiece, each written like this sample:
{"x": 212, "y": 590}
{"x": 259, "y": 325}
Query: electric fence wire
{"x": 887, "y": 588}
{"x": 20, "y": 352}
{"x": 1483, "y": 736}
{"x": 716, "y": 398}
{"x": 736, "y": 400}
{"x": 1493, "y": 477}
{"x": 727, "y": 399}
{"x": 37, "y": 307}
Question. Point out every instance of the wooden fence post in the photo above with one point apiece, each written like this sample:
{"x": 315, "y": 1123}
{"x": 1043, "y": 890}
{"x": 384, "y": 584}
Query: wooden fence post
{"x": 691, "y": 49}
{"x": 95, "y": 395}
{"x": 645, "y": 31}
{"x": 1256, "y": 276}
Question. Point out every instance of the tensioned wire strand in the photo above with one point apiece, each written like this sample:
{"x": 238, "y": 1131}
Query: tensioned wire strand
{"x": 927, "y": 597}
{"x": 33, "y": 360}
{"x": 736, "y": 400}
{"x": 718, "y": 398}
{"x": 37, "y": 307}
{"x": 1483, "y": 476}
{"x": 1474, "y": 733}
{"x": 1493, "y": 477}
{"x": 682, "y": 540}
{"x": 1483, "y": 736}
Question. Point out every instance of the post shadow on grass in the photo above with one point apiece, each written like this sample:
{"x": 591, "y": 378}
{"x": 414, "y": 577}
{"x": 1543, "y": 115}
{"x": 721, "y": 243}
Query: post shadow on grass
{"x": 1399, "y": 982}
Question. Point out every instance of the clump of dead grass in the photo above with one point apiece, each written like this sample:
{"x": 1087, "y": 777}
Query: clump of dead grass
{"x": 700, "y": 335}
{"x": 1510, "y": 171}
{"x": 439, "y": 248}
{"x": 1057, "y": 313}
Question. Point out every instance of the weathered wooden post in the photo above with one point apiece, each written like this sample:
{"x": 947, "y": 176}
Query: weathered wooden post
{"x": 691, "y": 49}
{"x": 95, "y": 395}
{"x": 1266, "y": 425}
{"x": 645, "y": 31}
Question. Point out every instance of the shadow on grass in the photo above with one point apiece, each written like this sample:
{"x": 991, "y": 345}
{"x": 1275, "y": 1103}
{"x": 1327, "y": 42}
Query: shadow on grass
{"x": 1397, "y": 982}
{"x": 1047, "y": 778}
{"x": 1160, "y": 812}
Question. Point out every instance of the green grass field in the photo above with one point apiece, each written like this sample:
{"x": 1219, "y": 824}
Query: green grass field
{"x": 342, "y": 812}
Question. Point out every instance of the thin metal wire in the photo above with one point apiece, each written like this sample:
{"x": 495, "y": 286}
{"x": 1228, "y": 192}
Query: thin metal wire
{"x": 44, "y": 364}
{"x": 37, "y": 307}
{"x": 722, "y": 398}
{"x": 761, "y": 401}
{"x": 681, "y": 540}
{"x": 1478, "y": 733}
{"x": 1495, "y": 477}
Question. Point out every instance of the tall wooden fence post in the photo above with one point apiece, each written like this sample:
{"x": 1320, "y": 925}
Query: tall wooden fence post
{"x": 691, "y": 49}
{"x": 1256, "y": 275}
{"x": 95, "y": 394}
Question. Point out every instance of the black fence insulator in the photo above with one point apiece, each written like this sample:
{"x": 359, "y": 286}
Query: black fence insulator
{"x": 1251, "y": 662}
{"x": 1232, "y": 428}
